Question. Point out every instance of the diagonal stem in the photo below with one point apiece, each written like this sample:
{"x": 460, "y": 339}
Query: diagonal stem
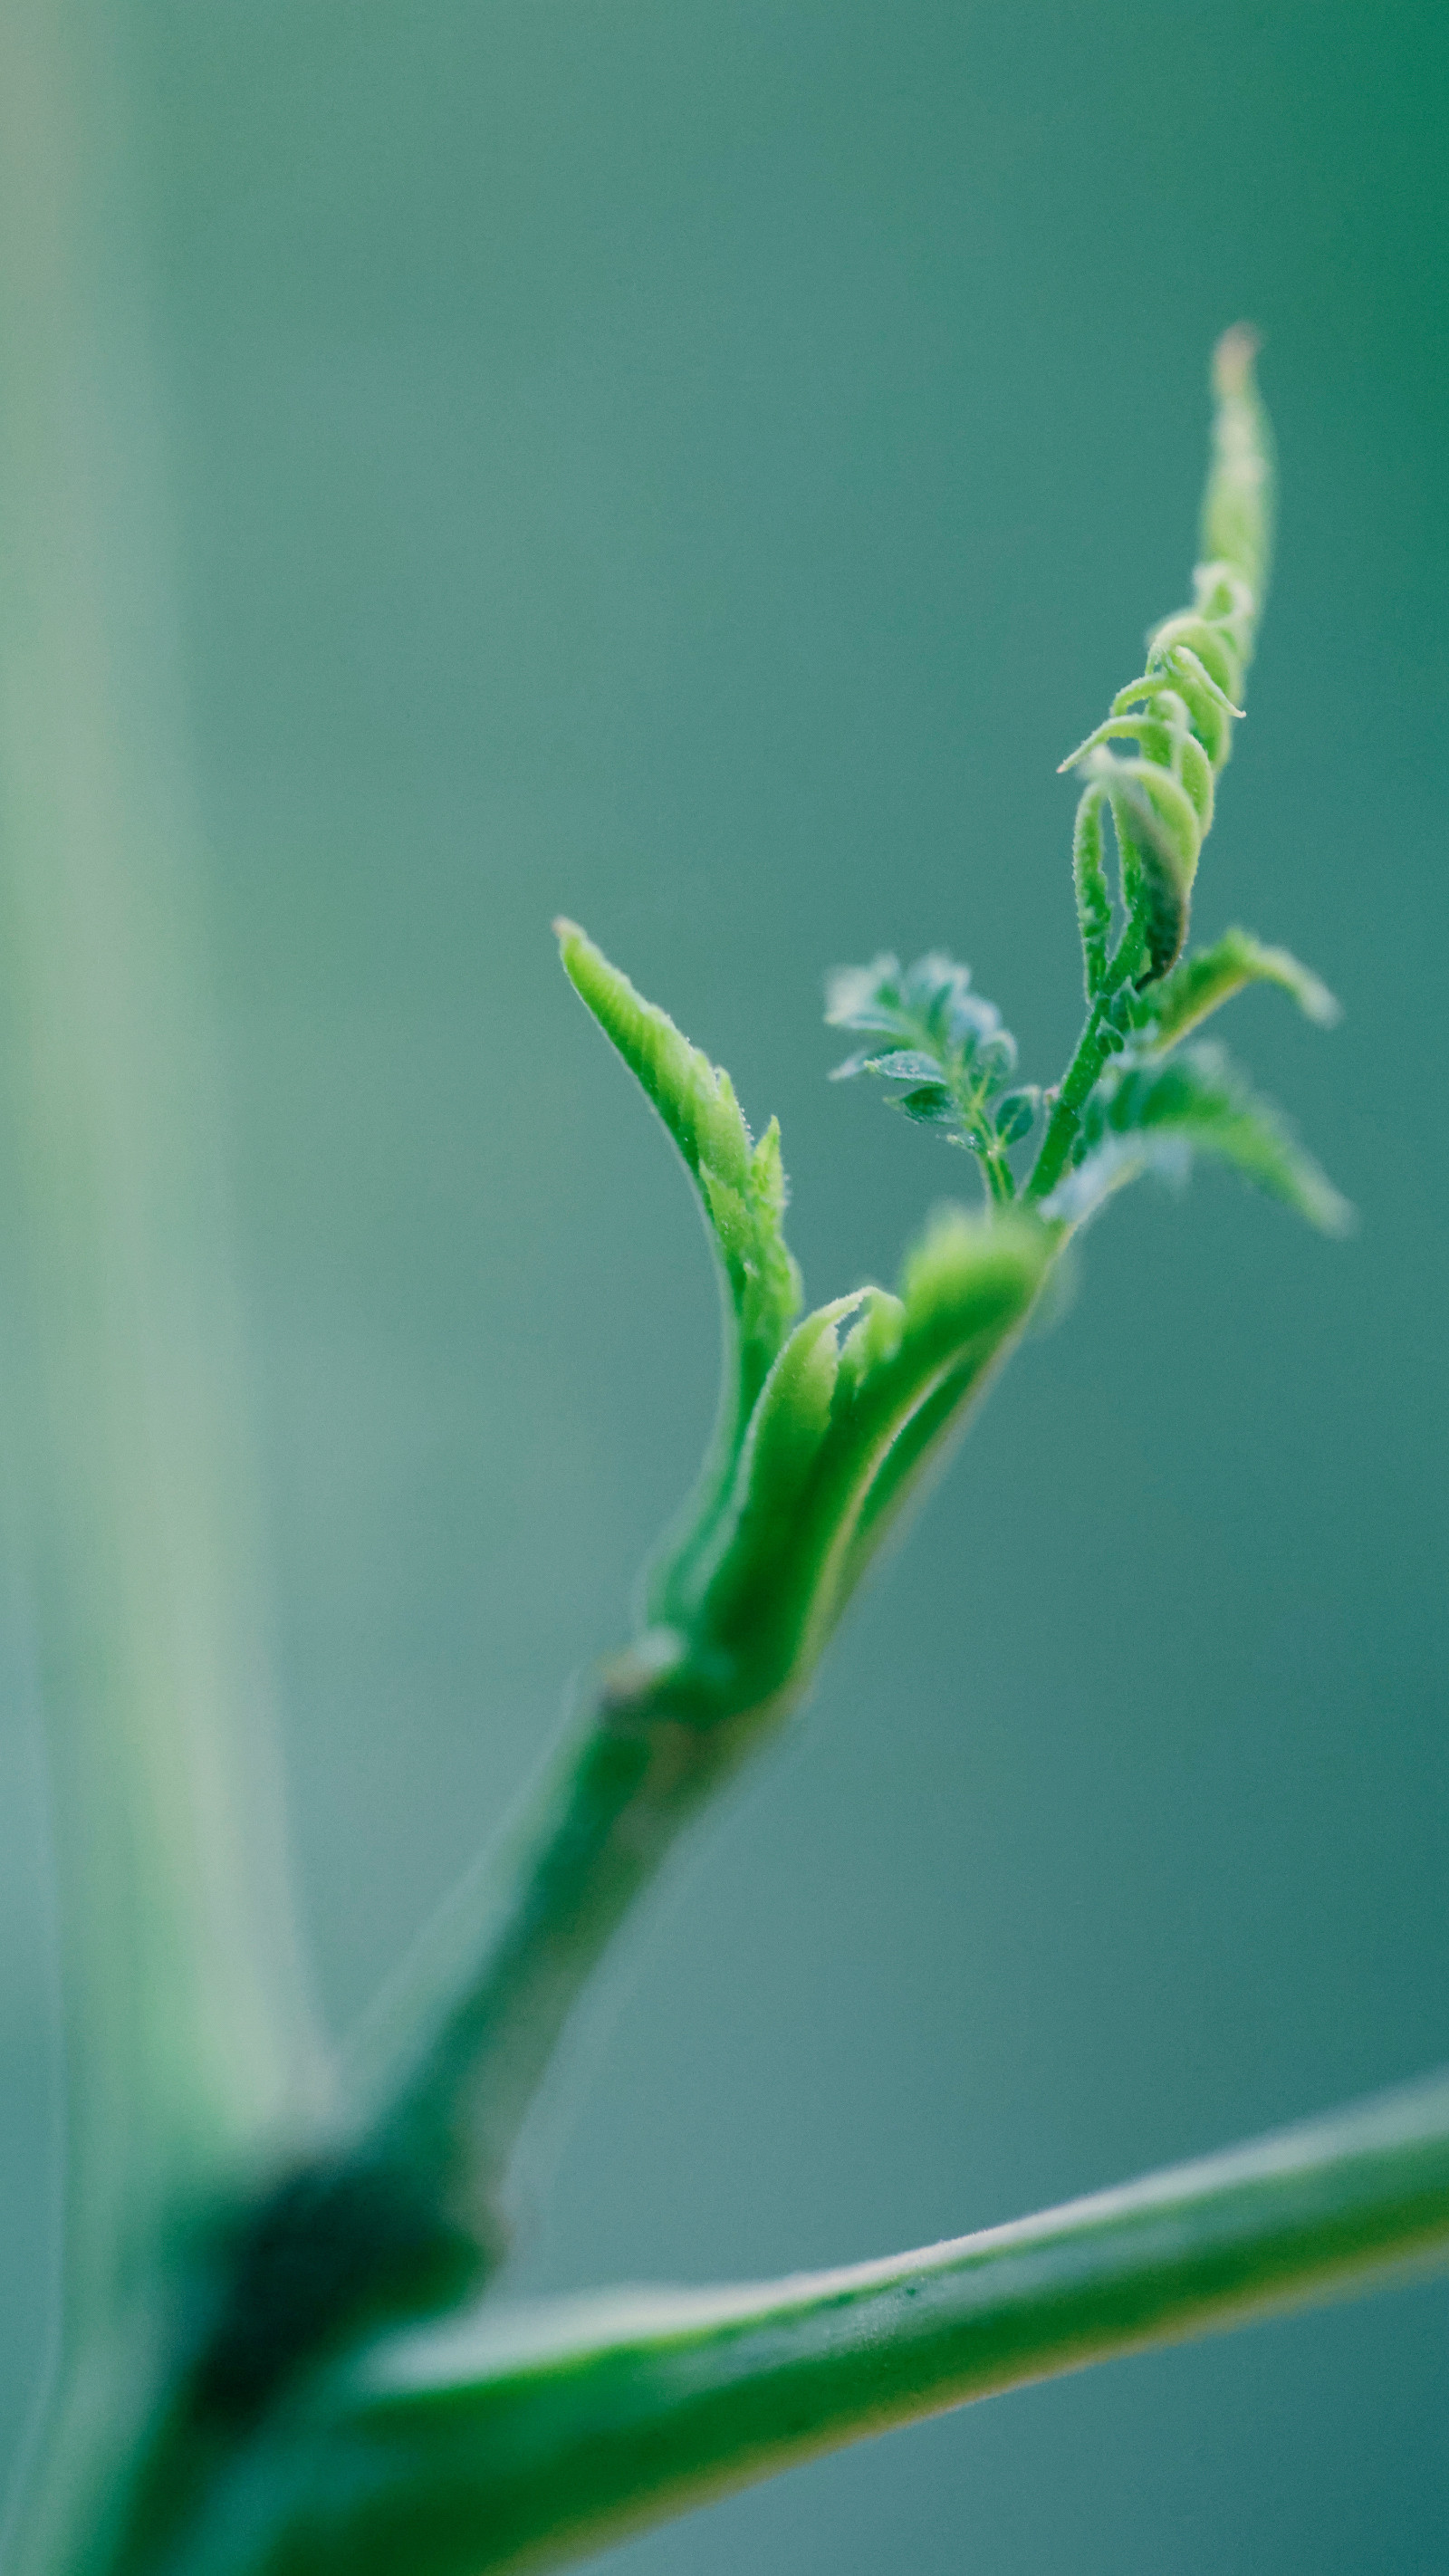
{"x": 445, "y": 2069}
{"x": 1091, "y": 1053}
{"x": 531, "y": 2440}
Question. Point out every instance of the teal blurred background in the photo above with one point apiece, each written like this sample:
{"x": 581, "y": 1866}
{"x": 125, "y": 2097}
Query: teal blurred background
{"x": 699, "y": 468}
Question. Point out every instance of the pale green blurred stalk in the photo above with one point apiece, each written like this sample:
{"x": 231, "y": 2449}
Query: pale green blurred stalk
{"x": 186, "y": 2039}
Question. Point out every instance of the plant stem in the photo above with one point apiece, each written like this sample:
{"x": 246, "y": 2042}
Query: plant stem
{"x": 528, "y": 2441}
{"x": 188, "y": 2045}
{"x": 400, "y": 2216}
{"x": 1000, "y": 1180}
{"x": 449, "y": 2064}
{"x": 444, "y": 2079}
{"x": 1093, "y": 1047}
{"x": 396, "y": 2213}
{"x": 186, "y": 2022}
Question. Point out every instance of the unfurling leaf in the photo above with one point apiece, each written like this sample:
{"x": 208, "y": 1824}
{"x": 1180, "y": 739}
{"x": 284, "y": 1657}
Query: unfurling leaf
{"x": 1156, "y": 1116}
{"x": 842, "y": 1434}
{"x": 816, "y": 1432}
{"x": 1094, "y": 900}
{"x": 1180, "y": 712}
{"x": 741, "y": 1184}
{"x": 742, "y": 1193}
{"x": 1161, "y": 804}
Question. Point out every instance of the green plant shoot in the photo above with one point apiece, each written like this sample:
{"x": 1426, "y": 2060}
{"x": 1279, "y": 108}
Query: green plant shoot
{"x": 317, "y": 2379}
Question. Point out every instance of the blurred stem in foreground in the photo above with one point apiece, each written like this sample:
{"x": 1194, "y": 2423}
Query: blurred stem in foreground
{"x": 187, "y": 2038}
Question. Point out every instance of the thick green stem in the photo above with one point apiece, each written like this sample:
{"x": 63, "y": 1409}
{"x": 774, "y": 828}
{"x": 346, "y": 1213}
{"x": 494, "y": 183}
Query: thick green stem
{"x": 455, "y": 2053}
{"x": 445, "y": 2078}
{"x": 529, "y": 2441}
{"x": 399, "y": 2215}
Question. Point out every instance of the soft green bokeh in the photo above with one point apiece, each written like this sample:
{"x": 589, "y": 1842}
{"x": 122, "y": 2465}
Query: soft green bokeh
{"x": 699, "y": 468}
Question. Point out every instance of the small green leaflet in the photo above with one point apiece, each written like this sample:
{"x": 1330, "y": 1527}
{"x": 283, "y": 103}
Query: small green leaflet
{"x": 1161, "y": 807}
{"x": 927, "y": 1029}
{"x": 825, "y": 1428}
{"x": 1198, "y": 985}
{"x": 1156, "y": 1116}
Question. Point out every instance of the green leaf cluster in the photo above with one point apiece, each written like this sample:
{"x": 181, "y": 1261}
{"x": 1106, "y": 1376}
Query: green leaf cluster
{"x": 928, "y": 1030}
{"x": 1112, "y": 1116}
{"x": 825, "y": 1428}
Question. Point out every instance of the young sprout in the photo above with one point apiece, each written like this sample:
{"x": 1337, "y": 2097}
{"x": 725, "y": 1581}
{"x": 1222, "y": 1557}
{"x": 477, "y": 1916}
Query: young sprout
{"x": 314, "y": 2383}
{"x": 1118, "y": 1110}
